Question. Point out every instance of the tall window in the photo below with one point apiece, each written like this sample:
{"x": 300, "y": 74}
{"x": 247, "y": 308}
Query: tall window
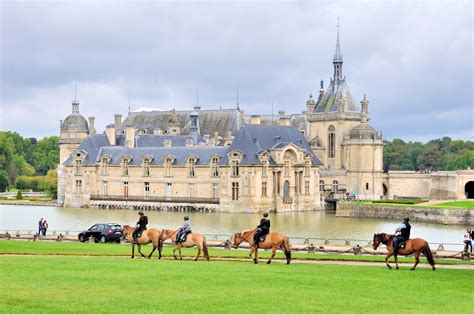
{"x": 215, "y": 190}
{"x": 307, "y": 167}
{"x": 287, "y": 168}
{"x": 264, "y": 168}
{"x": 235, "y": 168}
{"x": 192, "y": 190}
{"x": 235, "y": 191}
{"x": 332, "y": 141}
{"x": 215, "y": 167}
{"x": 146, "y": 191}
{"x": 321, "y": 185}
{"x": 191, "y": 162}
{"x": 125, "y": 189}
{"x": 335, "y": 186}
{"x": 264, "y": 189}
{"x": 78, "y": 167}
{"x": 125, "y": 167}
{"x": 306, "y": 188}
{"x": 168, "y": 162}
{"x": 105, "y": 167}
{"x": 146, "y": 167}
{"x": 105, "y": 188}
{"x": 78, "y": 188}
{"x": 367, "y": 186}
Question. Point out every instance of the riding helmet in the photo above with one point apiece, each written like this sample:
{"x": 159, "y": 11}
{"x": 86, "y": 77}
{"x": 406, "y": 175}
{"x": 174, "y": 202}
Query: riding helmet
{"x": 265, "y": 214}
{"x": 406, "y": 219}
{"x": 140, "y": 213}
{"x": 186, "y": 218}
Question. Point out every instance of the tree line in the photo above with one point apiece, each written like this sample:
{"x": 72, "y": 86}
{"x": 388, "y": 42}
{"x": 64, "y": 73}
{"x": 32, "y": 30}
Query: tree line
{"x": 436, "y": 155}
{"x": 28, "y": 162}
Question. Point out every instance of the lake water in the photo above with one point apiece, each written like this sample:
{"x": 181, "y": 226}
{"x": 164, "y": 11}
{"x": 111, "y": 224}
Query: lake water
{"x": 318, "y": 224}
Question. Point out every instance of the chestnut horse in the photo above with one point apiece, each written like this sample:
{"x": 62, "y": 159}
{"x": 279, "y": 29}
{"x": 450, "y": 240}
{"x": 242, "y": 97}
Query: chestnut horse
{"x": 413, "y": 246}
{"x": 150, "y": 235}
{"x": 192, "y": 239}
{"x": 273, "y": 240}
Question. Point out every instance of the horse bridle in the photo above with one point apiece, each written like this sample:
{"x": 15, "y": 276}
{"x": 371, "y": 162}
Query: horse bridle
{"x": 169, "y": 236}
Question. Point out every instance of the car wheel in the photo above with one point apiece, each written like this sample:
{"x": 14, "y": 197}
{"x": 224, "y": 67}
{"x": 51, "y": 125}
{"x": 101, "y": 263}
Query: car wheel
{"x": 82, "y": 238}
{"x": 103, "y": 239}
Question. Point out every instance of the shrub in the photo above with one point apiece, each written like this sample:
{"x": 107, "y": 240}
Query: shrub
{"x": 19, "y": 196}
{"x": 3, "y": 183}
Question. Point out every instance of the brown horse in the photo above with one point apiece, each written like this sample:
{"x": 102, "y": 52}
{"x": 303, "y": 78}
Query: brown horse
{"x": 151, "y": 235}
{"x": 412, "y": 246}
{"x": 273, "y": 240}
{"x": 192, "y": 239}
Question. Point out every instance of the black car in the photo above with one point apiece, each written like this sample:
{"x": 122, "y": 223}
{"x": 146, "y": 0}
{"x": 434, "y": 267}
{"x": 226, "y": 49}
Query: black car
{"x": 109, "y": 232}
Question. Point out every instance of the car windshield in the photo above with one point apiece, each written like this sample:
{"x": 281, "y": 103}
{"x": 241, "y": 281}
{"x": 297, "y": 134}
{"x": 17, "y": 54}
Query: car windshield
{"x": 94, "y": 227}
{"x": 115, "y": 227}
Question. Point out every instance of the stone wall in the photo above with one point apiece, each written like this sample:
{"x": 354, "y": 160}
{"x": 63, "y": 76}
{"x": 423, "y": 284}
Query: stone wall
{"x": 430, "y": 215}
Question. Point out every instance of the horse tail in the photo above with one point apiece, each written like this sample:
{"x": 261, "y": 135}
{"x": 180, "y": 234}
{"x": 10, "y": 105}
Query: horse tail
{"x": 287, "y": 249}
{"x": 204, "y": 247}
{"x": 428, "y": 254}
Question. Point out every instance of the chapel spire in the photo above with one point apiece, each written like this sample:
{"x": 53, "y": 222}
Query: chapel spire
{"x": 337, "y": 59}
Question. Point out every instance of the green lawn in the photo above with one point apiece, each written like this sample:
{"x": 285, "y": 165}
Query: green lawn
{"x": 101, "y": 284}
{"x": 457, "y": 204}
{"x": 77, "y": 248}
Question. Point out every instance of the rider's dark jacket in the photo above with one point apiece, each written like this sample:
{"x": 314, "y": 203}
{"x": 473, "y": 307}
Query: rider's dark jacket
{"x": 142, "y": 222}
{"x": 264, "y": 226}
{"x": 404, "y": 231}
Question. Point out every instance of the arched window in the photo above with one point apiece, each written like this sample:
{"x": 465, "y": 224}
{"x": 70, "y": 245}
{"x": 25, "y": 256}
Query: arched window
{"x": 321, "y": 185}
{"x": 331, "y": 141}
{"x": 334, "y": 185}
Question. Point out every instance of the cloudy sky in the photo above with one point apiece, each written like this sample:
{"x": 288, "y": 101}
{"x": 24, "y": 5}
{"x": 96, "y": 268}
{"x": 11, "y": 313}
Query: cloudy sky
{"x": 414, "y": 60}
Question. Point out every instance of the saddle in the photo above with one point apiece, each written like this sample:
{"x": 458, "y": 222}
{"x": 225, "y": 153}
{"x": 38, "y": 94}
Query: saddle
{"x": 184, "y": 237}
{"x": 402, "y": 244}
{"x": 262, "y": 238}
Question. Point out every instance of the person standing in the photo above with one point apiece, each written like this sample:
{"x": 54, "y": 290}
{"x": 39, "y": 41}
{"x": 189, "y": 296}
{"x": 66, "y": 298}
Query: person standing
{"x": 40, "y": 227}
{"x": 45, "y": 227}
{"x": 468, "y": 240}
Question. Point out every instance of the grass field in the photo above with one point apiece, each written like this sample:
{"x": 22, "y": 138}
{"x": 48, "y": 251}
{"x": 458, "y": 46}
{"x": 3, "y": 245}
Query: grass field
{"x": 104, "y": 284}
{"x": 457, "y": 204}
{"x": 447, "y": 205}
{"x": 77, "y": 248}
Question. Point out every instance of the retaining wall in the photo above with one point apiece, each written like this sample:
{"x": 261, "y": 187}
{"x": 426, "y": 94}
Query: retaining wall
{"x": 430, "y": 215}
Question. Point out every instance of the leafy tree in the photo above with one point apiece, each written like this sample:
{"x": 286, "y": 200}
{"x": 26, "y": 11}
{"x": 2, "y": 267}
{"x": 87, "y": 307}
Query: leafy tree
{"x": 3, "y": 183}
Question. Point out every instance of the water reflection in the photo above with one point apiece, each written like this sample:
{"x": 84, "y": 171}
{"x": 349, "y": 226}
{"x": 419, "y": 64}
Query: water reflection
{"x": 302, "y": 224}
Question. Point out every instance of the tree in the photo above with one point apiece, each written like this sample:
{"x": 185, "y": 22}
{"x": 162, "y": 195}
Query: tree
{"x": 3, "y": 183}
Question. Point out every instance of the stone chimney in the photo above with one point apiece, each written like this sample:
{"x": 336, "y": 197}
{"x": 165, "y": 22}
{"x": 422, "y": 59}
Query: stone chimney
{"x": 118, "y": 121}
{"x": 167, "y": 143}
{"x": 284, "y": 121}
{"x": 92, "y": 125}
{"x": 129, "y": 136}
{"x": 228, "y": 139}
{"x": 255, "y": 119}
{"x": 110, "y": 133}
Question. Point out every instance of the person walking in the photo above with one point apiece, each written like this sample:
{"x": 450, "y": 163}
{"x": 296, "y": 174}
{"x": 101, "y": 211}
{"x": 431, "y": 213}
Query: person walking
{"x": 45, "y": 227}
{"x": 468, "y": 241}
{"x": 40, "y": 227}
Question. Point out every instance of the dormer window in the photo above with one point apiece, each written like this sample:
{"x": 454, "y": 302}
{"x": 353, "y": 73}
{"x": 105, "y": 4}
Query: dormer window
{"x": 307, "y": 167}
{"x": 264, "y": 168}
{"x": 191, "y": 170}
{"x": 215, "y": 167}
{"x": 235, "y": 168}
{"x": 125, "y": 163}
{"x": 104, "y": 166}
{"x": 146, "y": 167}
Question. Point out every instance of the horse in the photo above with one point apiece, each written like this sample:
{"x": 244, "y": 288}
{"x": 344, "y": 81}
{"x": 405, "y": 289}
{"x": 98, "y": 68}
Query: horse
{"x": 192, "y": 239}
{"x": 150, "y": 235}
{"x": 412, "y": 246}
{"x": 273, "y": 240}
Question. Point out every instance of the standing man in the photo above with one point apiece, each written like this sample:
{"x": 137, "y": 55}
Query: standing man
{"x": 262, "y": 229}
{"x": 402, "y": 234}
{"x": 468, "y": 241}
{"x": 141, "y": 225}
{"x": 40, "y": 227}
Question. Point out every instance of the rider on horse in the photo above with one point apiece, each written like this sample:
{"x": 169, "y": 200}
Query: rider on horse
{"x": 141, "y": 225}
{"x": 183, "y": 231}
{"x": 262, "y": 229}
{"x": 402, "y": 234}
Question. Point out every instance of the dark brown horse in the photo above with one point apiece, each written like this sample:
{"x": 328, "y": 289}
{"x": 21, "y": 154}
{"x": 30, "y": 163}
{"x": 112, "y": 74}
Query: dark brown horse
{"x": 273, "y": 240}
{"x": 151, "y": 235}
{"x": 413, "y": 246}
{"x": 192, "y": 239}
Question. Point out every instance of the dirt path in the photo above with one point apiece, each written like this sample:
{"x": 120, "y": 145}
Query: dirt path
{"x": 434, "y": 202}
{"x": 263, "y": 261}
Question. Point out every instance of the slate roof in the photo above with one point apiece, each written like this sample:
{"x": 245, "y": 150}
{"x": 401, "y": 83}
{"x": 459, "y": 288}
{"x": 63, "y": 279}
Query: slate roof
{"x": 337, "y": 89}
{"x": 75, "y": 123}
{"x": 91, "y": 145}
{"x": 150, "y": 140}
{"x": 253, "y": 139}
{"x": 210, "y": 121}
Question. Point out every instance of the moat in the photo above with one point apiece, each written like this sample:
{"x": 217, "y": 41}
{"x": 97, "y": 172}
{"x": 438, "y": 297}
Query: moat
{"x": 317, "y": 224}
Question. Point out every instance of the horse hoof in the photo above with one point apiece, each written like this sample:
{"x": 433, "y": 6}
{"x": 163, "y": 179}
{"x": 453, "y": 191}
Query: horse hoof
{"x": 288, "y": 263}
{"x": 412, "y": 268}
{"x": 255, "y": 261}
{"x": 195, "y": 259}
{"x": 389, "y": 267}
{"x": 396, "y": 268}
{"x": 434, "y": 268}
{"x": 269, "y": 262}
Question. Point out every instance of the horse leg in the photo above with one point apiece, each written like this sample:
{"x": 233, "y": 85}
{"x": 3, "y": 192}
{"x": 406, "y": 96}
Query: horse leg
{"x": 417, "y": 260}
{"x": 153, "y": 250}
{"x": 252, "y": 250}
{"x": 255, "y": 260}
{"x": 174, "y": 252}
{"x": 386, "y": 260}
{"x": 199, "y": 252}
{"x": 140, "y": 250}
{"x": 274, "y": 249}
{"x": 396, "y": 261}
{"x": 133, "y": 250}
{"x": 179, "y": 250}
